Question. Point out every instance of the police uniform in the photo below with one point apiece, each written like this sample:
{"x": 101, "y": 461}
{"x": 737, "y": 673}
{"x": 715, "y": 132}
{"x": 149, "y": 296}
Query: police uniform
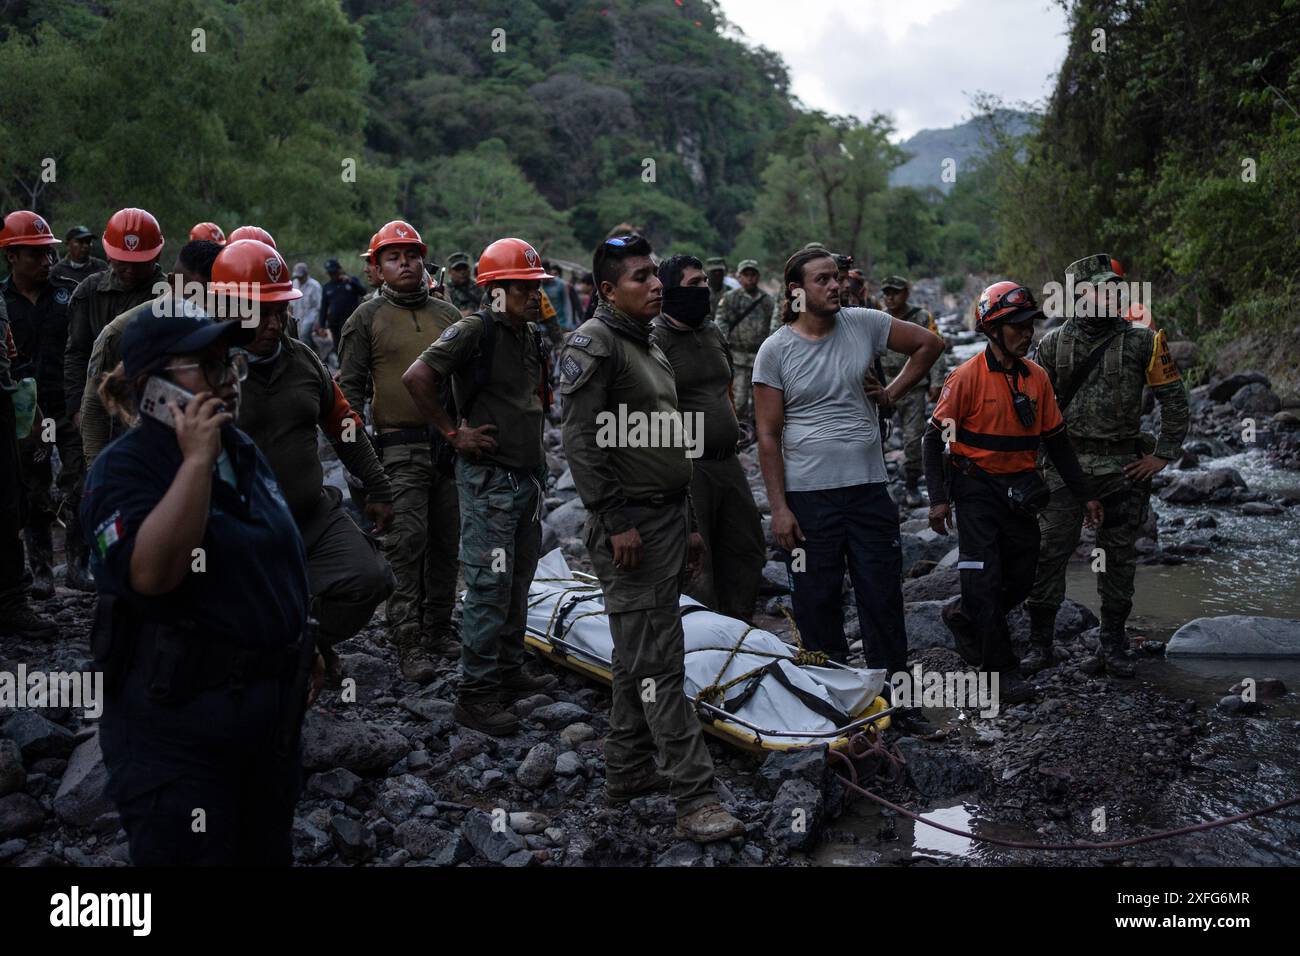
{"x": 1105, "y": 428}
{"x": 725, "y": 511}
{"x": 192, "y": 730}
{"x": 911, "y": 407}
{"x": 500, "y": 493}
{"x": 285, "y": 399}
{"x": 379, "y": 343}
{"x": 609, "y": 363}
{"x": 68, "y": 274}
{"x": 993, "y": 450}
{"x": 744, "y": 318}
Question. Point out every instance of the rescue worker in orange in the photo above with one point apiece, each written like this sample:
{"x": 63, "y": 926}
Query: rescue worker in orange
{"x": 994, "y": 412}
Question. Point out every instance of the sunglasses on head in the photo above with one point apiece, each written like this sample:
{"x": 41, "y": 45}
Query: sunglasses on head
{"x": 621, "y": 241}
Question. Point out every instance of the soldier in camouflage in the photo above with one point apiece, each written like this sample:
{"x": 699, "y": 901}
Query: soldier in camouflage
{"x": 715, "y": 267}
{"x": 461, "y": 290}
{"x": 1103, "y": 408}
{"x": 912, "y": 406}
{"x": 744, "y": 316}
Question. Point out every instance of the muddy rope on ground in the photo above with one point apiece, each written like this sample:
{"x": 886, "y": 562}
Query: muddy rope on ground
{"x": 894, "y": 761}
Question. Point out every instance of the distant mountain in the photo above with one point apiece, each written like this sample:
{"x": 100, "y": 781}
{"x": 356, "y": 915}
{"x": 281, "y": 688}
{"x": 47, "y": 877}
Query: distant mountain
{"x": 964, "y": 143}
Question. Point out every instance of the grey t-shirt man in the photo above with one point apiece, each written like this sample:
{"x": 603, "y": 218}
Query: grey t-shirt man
{"x": 832, "y": 433}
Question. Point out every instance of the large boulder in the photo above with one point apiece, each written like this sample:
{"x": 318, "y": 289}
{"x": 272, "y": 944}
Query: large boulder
{"x": 796, "y": 815}
{"x": 925, "y": 626}
{"x": 80, "y": 799}
{"x": 1193, "y": 487}
{"x": 806, "y": 763}
{"x": 37, "y": 737}
{"x": 939, "y": 585}
{"x": 939, "y": 772}
{"x": 563, "y": 523}
{"x": 924, "y": 545}
{"x": 1256, "y": 398}
{"x": 1224, "y": 389}
{"x": 359, "y": 746}
{"x": 1236, "y": 635}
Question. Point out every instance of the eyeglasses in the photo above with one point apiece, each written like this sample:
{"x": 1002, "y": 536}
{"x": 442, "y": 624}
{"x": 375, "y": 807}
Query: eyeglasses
{"x": 1013, "y": 298}
{"x": 216, "y": 371}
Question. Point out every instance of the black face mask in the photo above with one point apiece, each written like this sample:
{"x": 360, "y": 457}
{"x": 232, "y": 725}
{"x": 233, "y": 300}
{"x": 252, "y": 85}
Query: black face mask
{"x": 689, "y": 305}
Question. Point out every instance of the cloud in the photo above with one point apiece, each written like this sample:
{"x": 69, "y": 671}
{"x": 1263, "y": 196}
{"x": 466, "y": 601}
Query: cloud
{"x": 920, "y": 62}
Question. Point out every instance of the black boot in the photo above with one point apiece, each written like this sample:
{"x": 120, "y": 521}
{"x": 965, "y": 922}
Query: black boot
{"x": 77, "y": 573}
{"x": 40, "y": 552}
{"x": 1114, "y": 646}
{"x": 1042, "y": 625}
{"x": 19, "y": 620}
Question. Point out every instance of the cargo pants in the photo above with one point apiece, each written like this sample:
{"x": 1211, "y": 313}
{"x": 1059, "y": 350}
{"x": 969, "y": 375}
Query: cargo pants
{"x": 500, "y": 542}
{"x": 649, "y": 713}
{"x": 735, "y": 553}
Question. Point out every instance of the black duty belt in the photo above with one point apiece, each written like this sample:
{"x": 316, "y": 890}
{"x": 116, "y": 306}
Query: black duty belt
{"x": 402, "y": 436}
{"x": 657, "y": 501}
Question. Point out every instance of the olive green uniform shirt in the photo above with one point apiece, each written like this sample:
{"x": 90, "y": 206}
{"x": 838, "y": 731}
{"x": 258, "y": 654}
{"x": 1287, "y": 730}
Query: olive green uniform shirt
{"x": 702, "y": 369}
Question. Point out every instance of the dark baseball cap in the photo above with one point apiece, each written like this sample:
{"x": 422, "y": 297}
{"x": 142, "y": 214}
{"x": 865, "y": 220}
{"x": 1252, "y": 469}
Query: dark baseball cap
{"x": 893, "y": 282}
{"x": 151, "y": 339}
{"x": 332, "y": 265}
{"x": 77, "y": 232}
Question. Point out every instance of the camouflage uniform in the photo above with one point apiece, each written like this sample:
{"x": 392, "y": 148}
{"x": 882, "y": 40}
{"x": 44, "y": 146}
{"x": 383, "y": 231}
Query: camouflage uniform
{"x": 711, "y": 265}
{"x": 468, "y": 297}
{"x": 610, "y": 361}
{"x": 378, "y": 344}
{"x": 911, "y": 407}
{"x": 744, "y": 336}
{"x": 1104, "y": 420}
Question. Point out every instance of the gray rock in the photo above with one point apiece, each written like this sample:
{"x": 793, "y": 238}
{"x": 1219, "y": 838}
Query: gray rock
{"x": 359, "y": 746}
{"x": 1197, "y": 486}
{"x": 925, "y": 627}
{"x": 1235, "y": 704}
{"x": 529, "y": 704}
{"x": 37, "y": 737}
{"x": 373, "y": 675}
{"x": 776, "y": 579}
{"x": 1236, "y": 635}
{"x": 559, "y": 714}
{"x": 938, "y": 771}
{"x": 493, "y": 844}
{"x": 520, "y": 858}
{"x": 1266, "y": 688}
{"x": 453, "y": 851}
{"x": 563, "y": 523}
{"x": 808, "y": 764}
{"x": 436, "y": 712}
{"x": 355, "y": 841}
{"x": 468, "y": 743}
{"x": 557, "y": 836}
{"x": 80, "y": 799}
{"x": 924, "y": 545}
{"x": 570, "y": 764}
{"x": 1256, "y": 399}
{"x": 795, "y": 819}
{"x": 575, "y": 734}
{"x": 403, "y": 796}
{"x": 684, "y": 853}
{"x": 11, "y": 848}
{"x": 1224, "y": 389}
{"x": 12, "y": 775}
{"x": 422, "y": 838}
{"x": 538, "y": 768}
{"x": 337, "y": 784}
{"x": 939, "y": 585}
{"x": 19, "y": 815}
{"x": 1186, "y": 354}
{"x": 309, "y": 841}
{"x": 1072, "y": 620}
{"x": 527, "y": 823}
{"x": 1257, "y": 509}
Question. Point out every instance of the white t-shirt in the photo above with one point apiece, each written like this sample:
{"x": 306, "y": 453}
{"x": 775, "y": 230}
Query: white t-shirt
{"x": 832, "y": 432}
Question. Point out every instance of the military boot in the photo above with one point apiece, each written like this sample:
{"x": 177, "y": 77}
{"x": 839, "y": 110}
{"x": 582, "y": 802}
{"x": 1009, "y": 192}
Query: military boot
{"x": 415, "y": 663}
{"x": 19, "y": 620}
{"x": 520, "y": 684}
{"x": 1042, "y": 625}
{"x": 486, "y": 715}
{"x": 708, "y": 824}
{"x": 40, "y": 552}
{"x": 619, "y": 792}
{"x": 913, "y": 497}
{"x": 443, "y": 645}
{"x": 77, "y": 574}
{"x": 1115, "y": 657}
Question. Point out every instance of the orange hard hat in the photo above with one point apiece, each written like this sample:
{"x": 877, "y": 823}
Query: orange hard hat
{"x": 253, "y": 270}
{"x": 209, "y": 232}
{"x": 509, "y": 259}
{"x": 397, "y": 233}
{"x": 1003, "y": 301}
{"x": 23, "y": 228}
{"x": 132, "y": 235}
{"x": 252, "y": 232}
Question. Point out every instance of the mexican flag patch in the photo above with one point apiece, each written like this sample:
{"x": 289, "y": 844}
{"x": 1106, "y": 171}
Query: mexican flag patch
{"x": 109, "y": 533}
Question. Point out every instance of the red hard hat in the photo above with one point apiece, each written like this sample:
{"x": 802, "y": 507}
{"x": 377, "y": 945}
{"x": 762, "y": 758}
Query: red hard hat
{"x": 252, "y": 232}
{"x": 23, "y": 228}
{"x": 397, "y": 233}
{"x": 1001, "y": 301}
{"x": 252, "y": 270}
{"x": 509, "y": 259}
{"x": 132, "y": 235}
{"x": 209, "y": 232}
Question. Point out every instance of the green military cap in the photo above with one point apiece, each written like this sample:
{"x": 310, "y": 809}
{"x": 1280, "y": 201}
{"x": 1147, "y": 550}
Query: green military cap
{"x": 747, "y": 264}
{"x": 457, "y": 259}
{"x": 1098, "y": 268}
{"x": 715, "y": 262}
{"x": 813, "y": 245}
{"x": 893, "y": 282}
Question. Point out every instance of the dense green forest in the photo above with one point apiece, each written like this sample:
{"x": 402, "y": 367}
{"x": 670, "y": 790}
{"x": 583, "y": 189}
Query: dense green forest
{"x": 1172, "y": 138}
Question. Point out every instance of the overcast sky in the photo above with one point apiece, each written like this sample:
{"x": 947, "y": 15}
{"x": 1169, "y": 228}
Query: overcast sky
{"x": 918, "y": 60}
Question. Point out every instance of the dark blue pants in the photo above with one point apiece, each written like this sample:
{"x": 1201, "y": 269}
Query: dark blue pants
{"x": 201, "y": 783}
{"x": 855, "y": 527}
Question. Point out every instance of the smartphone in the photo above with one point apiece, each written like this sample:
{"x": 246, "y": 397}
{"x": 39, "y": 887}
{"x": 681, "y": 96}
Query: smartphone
{"x": 157, "y": 393}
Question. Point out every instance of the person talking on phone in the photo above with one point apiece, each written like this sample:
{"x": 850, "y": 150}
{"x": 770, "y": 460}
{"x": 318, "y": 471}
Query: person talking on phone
{"x": 200, "y": 628}
{"x": 994, "y": 411}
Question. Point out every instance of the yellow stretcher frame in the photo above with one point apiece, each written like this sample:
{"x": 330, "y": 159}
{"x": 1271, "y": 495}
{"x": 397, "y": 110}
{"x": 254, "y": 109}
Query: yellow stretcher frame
{"x": 741, "y": 737}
